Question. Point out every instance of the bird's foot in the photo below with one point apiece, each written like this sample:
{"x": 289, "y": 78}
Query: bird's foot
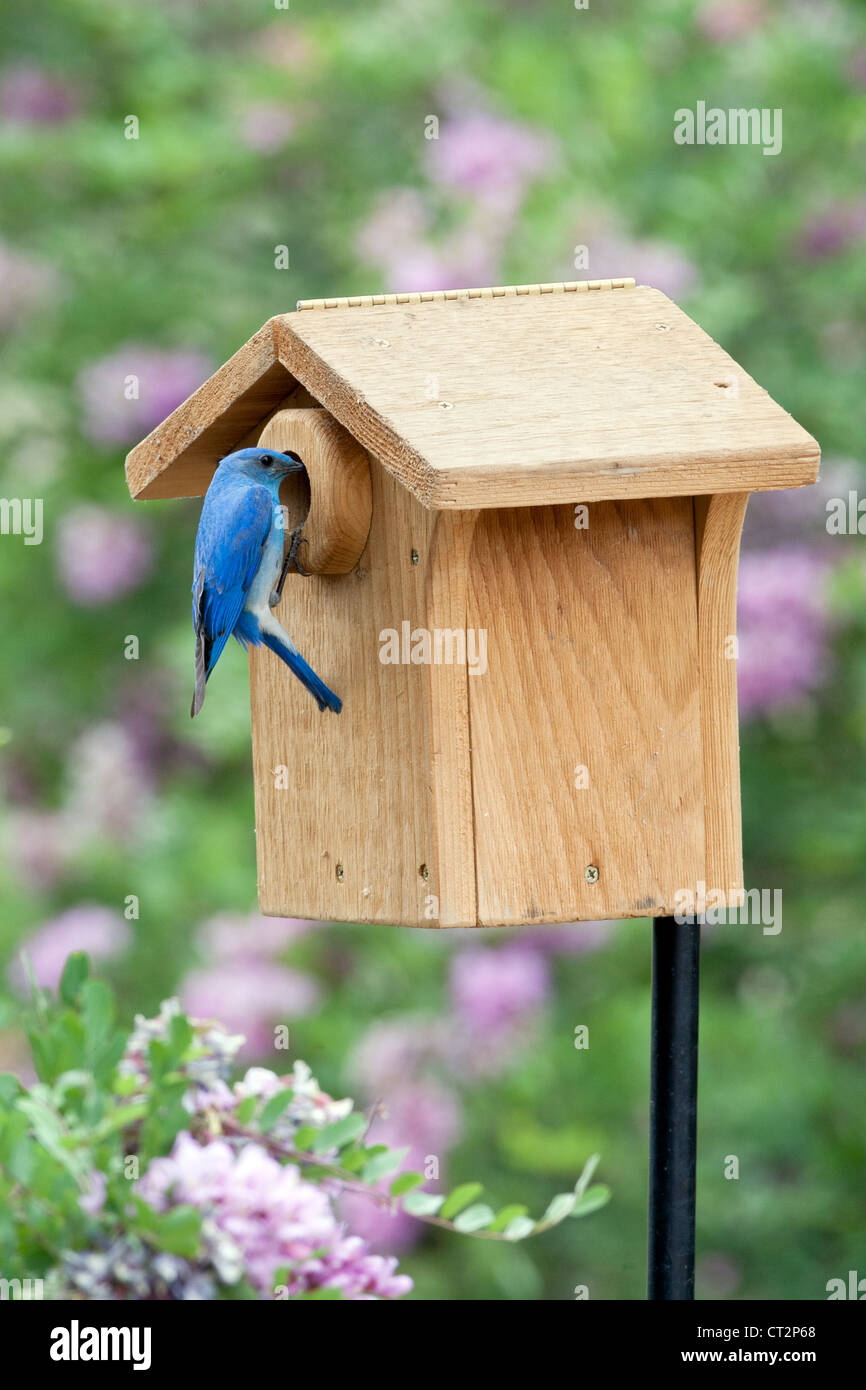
{"x": 292, "y": 558}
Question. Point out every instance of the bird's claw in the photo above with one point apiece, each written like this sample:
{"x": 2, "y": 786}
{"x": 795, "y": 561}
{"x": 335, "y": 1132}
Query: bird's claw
{"x": 290, "y": 560}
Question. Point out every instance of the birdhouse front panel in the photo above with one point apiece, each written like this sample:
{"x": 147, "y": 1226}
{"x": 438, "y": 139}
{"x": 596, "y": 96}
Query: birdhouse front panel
{"x": 520, "y": 511}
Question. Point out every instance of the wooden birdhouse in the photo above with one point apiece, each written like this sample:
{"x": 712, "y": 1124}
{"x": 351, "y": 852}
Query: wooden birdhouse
{"x": 523, "y": 511}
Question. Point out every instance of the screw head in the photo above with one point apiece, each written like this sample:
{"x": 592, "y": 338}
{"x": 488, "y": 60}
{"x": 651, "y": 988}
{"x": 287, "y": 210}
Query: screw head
{"x": 424, "y": 872}
{"x": 340, "y": 873}
{"x": 414, "y": 556}
{"x": 590, "y": 873}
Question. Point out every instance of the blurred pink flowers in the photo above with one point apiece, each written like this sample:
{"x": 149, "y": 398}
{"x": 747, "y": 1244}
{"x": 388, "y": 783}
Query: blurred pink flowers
{"x": 130, "y": 392}
{"x": 266, "y": 126}
{"x": 424, "y": 1117}
{"x": 480, "y": 159}
{"x": 31, "y": 96}
{"x": 833, "y": 231}
{"x": 243, "y": 985}
{"x": 90, "y": 927}
{"x": 101, "y": 554}
{"x": 236, "y": 936}
{"x": 725, "y": 21}
{"x": 495, "y": 990}
{"x": 24, "y": 284}
{"x": 490, "y": 158}
{"x": 613, "y": 251}
{"x": 250, "y": 997}
{"x": 784, "y": 627}
{"x": 396, "y": 239}
{"x": 263, "y": 1216}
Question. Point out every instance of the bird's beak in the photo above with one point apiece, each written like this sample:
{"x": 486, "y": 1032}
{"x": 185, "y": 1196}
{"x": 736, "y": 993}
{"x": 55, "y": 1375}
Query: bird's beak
{"x": 291, "y": 464}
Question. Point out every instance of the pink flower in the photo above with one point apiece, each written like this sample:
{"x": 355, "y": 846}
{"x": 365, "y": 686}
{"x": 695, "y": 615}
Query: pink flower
{"x": 857, "y": 68}
{"x": 783, "y": 628}
{"x": 266, "y": 126}
{"x": 228, "y": 937}
{"x": 129, "y": 393}
{"x": 101, "y": 554}
{"x": 840, "y": 226}
{"x": 568, "y": 938}
{"x": 263, "y": 1217}
{"x": 31, "y": 96}
{"x": 492, "y": 158}
{"x": 109, "y": 786}
{"x": 93, "y": 1200}
{"x": 393, "y": 1050}
{"x": 425, "y": 1118}
{"x": 494, "y": 988}
{"x": 395, "y": 238}
{"x": 90, "y": 927}
{"x": 249, "y": 996}
{"x": 24, "y": 284}
{"x": 656, "y": 263}
{"x": 37, "y": 845}
{"x": 725, "y": 21}
{"x": 289, "y": 48}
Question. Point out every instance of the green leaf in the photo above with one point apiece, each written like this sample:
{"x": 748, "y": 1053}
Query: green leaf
{"x": 75, "y": 972}
{"x": 508, "y": 1214}
{"x": 422, "y": 1203}
{"x": 460, "y": 1198}
{"x": 274, "y": 1108}
{"x": 304, "y": 1138}
{"x": 561, "y": 1206}
{"x": 594, "y": 1198}
{"x": 10, "y": 1087}
{"x": 246, "y": 1109}
{"x": 353, "y": 1160}
{"x": 474, "y": 1218}
{"x": 383, "y": 1164}
{"x": 97, "y": 1010}
{"x": 179, "y": 1035}
{"x": 586, "y": 1176}
{"x": 119, "y": 1118}
{"x": 177, "y": 1230}
{"x": 405, "y": 1183}
{"x": 519, "y": 1228}
{"x": 340, "y": 1133}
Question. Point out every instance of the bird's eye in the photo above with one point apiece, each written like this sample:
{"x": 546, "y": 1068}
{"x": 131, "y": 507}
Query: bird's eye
{"x": 266, "y": 460}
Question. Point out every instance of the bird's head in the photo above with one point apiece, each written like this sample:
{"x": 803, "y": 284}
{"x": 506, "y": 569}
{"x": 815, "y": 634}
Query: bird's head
{"x": 261, "y": 465}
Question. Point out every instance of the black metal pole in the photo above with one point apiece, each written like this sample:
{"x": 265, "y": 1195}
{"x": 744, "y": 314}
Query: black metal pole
{"x": 673, "y": 1109}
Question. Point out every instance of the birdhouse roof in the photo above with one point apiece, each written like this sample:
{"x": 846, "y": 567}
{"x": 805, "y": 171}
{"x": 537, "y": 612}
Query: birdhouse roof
{"x": 499, "y": 397}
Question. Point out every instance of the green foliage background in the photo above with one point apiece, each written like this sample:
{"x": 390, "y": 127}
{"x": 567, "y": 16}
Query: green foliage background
{"x": 169, "y": 241}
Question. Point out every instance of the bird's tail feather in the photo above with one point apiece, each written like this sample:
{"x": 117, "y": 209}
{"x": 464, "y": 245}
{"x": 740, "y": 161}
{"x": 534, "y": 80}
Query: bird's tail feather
{"x": 325, "y": 698}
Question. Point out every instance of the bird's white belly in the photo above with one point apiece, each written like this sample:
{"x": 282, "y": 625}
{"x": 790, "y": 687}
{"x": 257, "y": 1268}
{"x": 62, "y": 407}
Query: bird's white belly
{"x": 267, "y": 575}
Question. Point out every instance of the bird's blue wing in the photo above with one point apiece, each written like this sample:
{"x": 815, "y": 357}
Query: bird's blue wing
{"x": 232, "y": 534}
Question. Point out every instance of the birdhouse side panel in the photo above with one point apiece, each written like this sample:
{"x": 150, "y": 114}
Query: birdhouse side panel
{"x": 586, "y": 726}
{"x": 344, "y": 811}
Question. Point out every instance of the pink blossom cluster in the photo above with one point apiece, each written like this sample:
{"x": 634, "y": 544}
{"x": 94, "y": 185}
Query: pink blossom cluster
{"x": 263, "y": 1216}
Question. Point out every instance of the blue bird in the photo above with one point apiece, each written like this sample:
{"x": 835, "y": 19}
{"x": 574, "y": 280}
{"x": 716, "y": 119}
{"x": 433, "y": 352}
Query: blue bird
{"x": 239, "y": 568}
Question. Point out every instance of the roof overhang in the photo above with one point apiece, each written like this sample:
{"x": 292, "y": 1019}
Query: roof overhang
{"x": 499, "y": 397}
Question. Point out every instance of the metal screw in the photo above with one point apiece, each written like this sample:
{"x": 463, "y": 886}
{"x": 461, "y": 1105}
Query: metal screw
{"x": 414, "y": 557}
{"x": 424, "y": 872}
{"x": 445, "y": 405}
{"x": 590, "y": 873}
{"x": 340, "y": 874}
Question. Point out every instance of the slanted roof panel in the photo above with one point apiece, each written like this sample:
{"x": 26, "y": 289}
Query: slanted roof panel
{"x": 498, "y": 401}
{"x": 500, "y": 397}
